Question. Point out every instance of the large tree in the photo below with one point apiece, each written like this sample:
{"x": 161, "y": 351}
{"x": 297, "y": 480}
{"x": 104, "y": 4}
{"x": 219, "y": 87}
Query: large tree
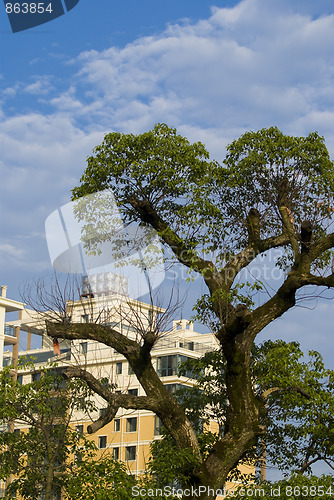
{"x": 272, "y": 195}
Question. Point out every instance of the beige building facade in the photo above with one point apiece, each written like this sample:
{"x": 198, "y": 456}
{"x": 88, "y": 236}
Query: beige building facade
{"x": 129, "y": 435}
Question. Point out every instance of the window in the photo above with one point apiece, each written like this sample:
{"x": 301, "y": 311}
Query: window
{"x": 35, "y": 376}
{"x": 118, "y": 368}
{"x": 105, "y": 381}
{"x": 79, "y": 429}
{"x": 56, "y": 495}
{"x": 84, "y": 318}
{"x": 102, "y": 442}
{"x": 188, "y": 345}
{"x": 115, "y": 453}
{"x": 83, "y": 347}
{"x": 59, "y": 378}
{"x": 172, "y": 388}
{"x": 177, "y": 389}
{"x": 200, "y": 425}
{"x": 130, "y": 370}
{"x": 117, "y": 425}
{"x": 20, "y": 380}
{"x": 157, "y": 426}
{"x": 133, "y": 392}
{"x": 130, "y": 453}
{"x": 131, "y": 424}
{"x": 150, "y": 317}
{"x": 168, "y": 365}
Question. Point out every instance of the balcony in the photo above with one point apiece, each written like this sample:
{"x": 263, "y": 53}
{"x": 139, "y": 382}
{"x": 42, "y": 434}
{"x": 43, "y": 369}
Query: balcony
{"x": 7, "y": 361}
{"x": 10, "y": 331}
{"x": 199, "y": 347}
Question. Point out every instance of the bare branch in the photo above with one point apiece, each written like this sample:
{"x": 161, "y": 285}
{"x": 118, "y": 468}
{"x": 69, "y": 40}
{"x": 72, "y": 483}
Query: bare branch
{"x": 93, "y": 331}
{"x": 290, "y": 230}
{"x": 299, "y": 390}
{"x": 246, "y": 256}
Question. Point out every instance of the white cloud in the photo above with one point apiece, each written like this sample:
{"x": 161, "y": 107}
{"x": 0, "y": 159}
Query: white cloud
{"x": 246, "y": 67}
{"x": 10, "y": 250}
{"x": 40, "y": 87}
{"x": 256, "y": 64}
{"x": 9, "y": 92}
{"x": 42, "y": 159}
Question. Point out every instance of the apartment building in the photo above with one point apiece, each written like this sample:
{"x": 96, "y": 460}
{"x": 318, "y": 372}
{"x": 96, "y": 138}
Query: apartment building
{"x": 129, "y": 435}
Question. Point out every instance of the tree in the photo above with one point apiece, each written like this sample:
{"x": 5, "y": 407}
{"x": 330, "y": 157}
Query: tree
{"x": 42, "y": 454}
{"x": 273, "y": 192}
{"x": 299, "y": 395}
{"x": 99, "y": 479}
{"x": 38, "y": 446}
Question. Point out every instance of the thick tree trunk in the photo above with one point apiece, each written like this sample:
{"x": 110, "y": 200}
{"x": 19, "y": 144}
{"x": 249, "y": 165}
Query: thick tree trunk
{"x": 242, "y": 426}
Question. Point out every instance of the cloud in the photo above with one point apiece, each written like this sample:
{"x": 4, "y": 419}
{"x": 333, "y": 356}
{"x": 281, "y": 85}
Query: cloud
{"x": 253, "y": 65}
{"x": 40, "y": 87}
{"x": 42, "y": 159}
{"x": 11, "y": 250}
{"x": 245, "y": 67}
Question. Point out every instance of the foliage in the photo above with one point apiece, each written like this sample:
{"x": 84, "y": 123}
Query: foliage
{"x": 300, "y": 422}
{"x": 169, "y": 464}
{"x": 36, "y": 441}
{"x": 164, "y": 166}
{"x": 102, "y": 479}
{"x": 267, "y": 169}
{"x": 298, "y": 419}
{"x": 206, "y": 203}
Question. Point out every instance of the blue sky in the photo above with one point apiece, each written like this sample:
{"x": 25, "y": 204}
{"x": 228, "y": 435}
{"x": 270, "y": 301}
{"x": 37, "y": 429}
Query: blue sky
{"x": 211, "y": 69}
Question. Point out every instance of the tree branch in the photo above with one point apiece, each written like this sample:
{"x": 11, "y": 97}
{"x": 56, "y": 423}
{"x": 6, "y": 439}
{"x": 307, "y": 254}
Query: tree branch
{"x": 290, "y": 230}
{"x": 321, "y": 246}
{"x": 246, "y": 256}
{"x": 300, "y": 390}
{"x": 126, "y": 401}
{"x": 157, "y": 400}
{"x": 281, "y": 302}
{"x": 185, "y": 255}
{"x": 310, "y": 462}
{"x": 94, "y": 331}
